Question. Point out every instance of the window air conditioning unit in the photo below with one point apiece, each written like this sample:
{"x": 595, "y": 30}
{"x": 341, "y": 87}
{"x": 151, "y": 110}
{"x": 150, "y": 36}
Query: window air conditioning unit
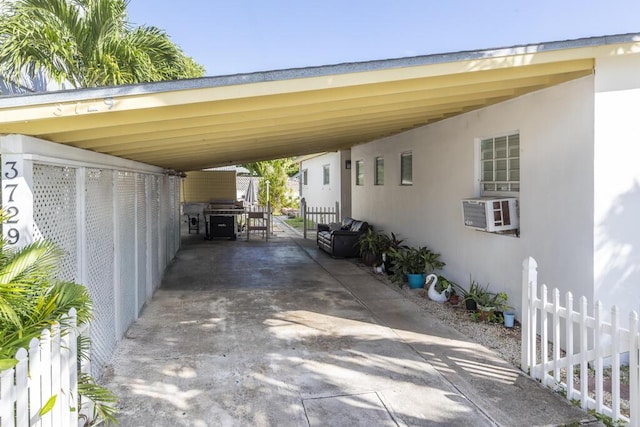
{"x": 491, "y": 213}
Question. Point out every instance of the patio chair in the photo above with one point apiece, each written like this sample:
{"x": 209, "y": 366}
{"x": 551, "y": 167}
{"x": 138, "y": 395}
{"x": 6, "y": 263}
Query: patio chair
{"x": 257, "y": 221}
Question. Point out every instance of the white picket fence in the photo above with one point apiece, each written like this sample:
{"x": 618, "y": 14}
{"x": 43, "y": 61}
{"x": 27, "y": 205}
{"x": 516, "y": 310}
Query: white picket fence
{"x": 312, "y": 216}
{"x": 46, "y": 374}
{"x": 587, "y": 342}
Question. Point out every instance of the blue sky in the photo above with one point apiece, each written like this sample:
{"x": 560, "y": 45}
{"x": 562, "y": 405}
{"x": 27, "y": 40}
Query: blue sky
{"x": 240, "y": 36}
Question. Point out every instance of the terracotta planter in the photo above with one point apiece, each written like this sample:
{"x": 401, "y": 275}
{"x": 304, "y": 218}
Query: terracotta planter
{"x": 485, "y": 313}
{"x": 369, "y": 259}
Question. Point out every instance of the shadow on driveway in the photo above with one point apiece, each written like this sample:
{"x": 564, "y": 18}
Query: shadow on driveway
{"x": 250, "y": 333}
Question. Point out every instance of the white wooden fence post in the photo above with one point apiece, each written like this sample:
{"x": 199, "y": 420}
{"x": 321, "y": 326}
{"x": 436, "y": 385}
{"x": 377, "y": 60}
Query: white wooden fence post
{"x": 529, "y": 281}
{"x": 303, "y": 205}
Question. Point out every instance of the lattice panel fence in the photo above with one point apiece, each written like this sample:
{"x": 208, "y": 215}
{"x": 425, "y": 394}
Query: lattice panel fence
{"x": 117, "y": 244}
{"x": 154, "y": 250}
{"x": 55, "y": 213}
{"x": 174, "y": 216}
{"x": 164, "y": 211}
{"x": 100, "y": 263}
{"x": 141, "y": 237}
{"x": 125, "y": 196}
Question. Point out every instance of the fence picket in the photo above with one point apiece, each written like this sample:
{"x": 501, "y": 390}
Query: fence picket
{"x": 56, "y": 412}
{"x": 22, "y": 388}
{"x": 615, "y": 365}
{"x": 7, "y": 398}
{"x": 45, "y": 360}
{"x": 598, "y": 365}
{"x": 64, "y": 396}
{"x": 73, "y": 370}
{"x": 544, "y": 336}
{"x": 556, "y": 335}
{"x": 569, "y": 350}
{"x": 35, "y": 385}
{"x": 584, "y": 361}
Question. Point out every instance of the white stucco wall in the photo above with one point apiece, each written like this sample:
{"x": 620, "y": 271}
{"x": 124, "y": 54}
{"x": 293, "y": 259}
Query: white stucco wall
{"x": 617, "y": 182}
{"x": 315, "y": 193}
{"x": 556, "y": 198}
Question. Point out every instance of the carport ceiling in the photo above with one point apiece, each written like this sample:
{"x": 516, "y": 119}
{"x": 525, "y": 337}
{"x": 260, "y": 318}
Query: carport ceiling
{"x": 215, "y": 121}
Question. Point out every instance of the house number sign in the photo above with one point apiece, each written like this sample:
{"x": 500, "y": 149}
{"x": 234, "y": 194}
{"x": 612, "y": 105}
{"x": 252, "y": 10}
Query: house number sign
{"x": 16, "y": 197}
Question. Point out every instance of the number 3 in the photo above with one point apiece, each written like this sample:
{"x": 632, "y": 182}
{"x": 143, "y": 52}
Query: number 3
{"x": 13, "y": 171}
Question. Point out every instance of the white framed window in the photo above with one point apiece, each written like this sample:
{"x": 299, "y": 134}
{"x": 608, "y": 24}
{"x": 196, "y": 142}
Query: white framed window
{"x": 500, "y": 164}
{"x": 305, "y": 177}
{"x": 379, "y": 176}
{"x": 325, "y": 174}
{"x": 359, "y": 172}
{"x": 406, "y": 168}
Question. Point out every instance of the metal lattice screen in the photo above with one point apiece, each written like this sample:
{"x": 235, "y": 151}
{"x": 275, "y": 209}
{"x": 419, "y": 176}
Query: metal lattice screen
{"x": 141, "y": 238}
{"x": 55, "y": 213}
{"x": 118, "y": 231}
{"x": 126, "y": 246}
{"x": 164, "y": 215}
{"x": 100, "y": 263}
{"x": 154, "y": 223}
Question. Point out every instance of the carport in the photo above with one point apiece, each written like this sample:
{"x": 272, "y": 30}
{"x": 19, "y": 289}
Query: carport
{"x": 216, "y": 121}
{"x": 96, "y": 170}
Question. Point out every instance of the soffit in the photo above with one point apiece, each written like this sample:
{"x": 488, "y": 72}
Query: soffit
{"x": 211, "y": 122}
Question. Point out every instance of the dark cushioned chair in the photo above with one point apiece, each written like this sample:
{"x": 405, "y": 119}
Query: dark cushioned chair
{"x": 340, "y": 241}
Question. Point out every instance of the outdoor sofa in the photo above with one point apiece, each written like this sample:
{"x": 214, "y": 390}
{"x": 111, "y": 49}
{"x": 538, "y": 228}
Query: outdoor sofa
{"x": 340, "y": 239}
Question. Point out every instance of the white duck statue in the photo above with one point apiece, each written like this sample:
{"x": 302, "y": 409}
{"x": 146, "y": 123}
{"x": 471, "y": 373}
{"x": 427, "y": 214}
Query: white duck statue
{"x": 434, "y": 295}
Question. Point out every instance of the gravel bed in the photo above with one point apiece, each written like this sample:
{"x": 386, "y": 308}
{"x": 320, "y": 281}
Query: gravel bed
{"x": 505, "y": 341}
{"x": 491, "y": 335}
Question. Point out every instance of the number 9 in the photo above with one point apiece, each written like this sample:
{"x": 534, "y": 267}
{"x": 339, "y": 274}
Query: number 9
{"x": 13, "y": 236}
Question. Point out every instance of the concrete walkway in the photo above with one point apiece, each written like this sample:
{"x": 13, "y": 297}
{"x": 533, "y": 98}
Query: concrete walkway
{"x": 249, "y": 333}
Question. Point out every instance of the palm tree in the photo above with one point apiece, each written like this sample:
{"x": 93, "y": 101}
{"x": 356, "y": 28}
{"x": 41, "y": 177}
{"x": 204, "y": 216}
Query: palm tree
{"x": 86, "y": 43}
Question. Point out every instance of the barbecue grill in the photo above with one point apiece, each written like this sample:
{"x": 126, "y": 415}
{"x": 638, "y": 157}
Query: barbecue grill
{"x": 221, "y": 217}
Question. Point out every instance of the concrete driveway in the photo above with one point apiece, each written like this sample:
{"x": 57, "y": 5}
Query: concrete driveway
{"x": 249, "y": 333}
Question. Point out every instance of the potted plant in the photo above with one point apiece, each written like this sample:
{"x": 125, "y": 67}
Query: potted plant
{"x": 370, "y": 245}
{"x": 389, "y": 244}
{"x": 474, "y": 294}
{"x": 455, "y": 291}
{"x": 489, "y": 305}
{"x": 509, "y": 318}
{"x": 414, "y": 263}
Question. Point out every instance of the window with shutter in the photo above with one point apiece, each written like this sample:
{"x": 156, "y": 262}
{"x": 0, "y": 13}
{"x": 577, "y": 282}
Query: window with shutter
{"x": 406, "y": 168}
{"x": 359, "y": 172}
{"x": 379, "y": 178}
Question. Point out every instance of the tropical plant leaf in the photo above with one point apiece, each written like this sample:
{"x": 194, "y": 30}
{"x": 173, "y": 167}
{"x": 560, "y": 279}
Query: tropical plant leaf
{"x": 48, "y": 406}
{"x": 7, "y": 364}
